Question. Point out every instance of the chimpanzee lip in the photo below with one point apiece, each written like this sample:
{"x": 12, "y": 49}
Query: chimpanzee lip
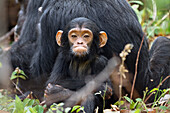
{"x": 80, "y": 46}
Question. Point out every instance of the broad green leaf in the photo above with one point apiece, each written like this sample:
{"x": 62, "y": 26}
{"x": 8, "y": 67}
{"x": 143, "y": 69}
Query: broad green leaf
{"x": 138, "y": 106}
{"x": 31, "y": 102}
{"x": 37, "y": 102}
{"x": 13, "y": 76}
{"x": 22, "y": 72}
{"x": 27, "y": 110}
{"x": 32, "y": 110}
{"x": 163, "y": 107}
{"x": 138, "y": 100}
{"x": 39, "y": 109}
{"x": 19, "y": 106}
{"x": 132, "y": 106}
{"x": 14, "y": 72}
{"x": 128, "y": 99}
{"x": 22, "y": 77}
{"x": 26, "y": 101}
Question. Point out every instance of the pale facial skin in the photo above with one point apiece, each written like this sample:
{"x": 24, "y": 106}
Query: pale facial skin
{"x": 80, "y": 40}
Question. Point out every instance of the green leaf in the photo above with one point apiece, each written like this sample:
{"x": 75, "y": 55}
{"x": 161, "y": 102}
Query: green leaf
{"x": 58, "y": 111}
{"x": 67, "y": 109}
{"x": 128, "y": 99}
{"x": 138, "y": 100}
{"x": 53, "y": 105}
{"x": 37, "y": 102}
{"x": 14, "y": 72}
{"x": 75, "y": 108}
{"x": 80, "y": 109}
{"x": 154, "y": 89}
{"x": 22, "y": 72}
{"x": 39, "y": 109}
{"x": 27, "y": 110}
{"x": 13, "y": 76}
{"x": 60, "y": 104}
{"x": 163, "y": 107}
{"x": 49, "y": 111}
{"x": 19, "y": 106}
{"x": 26, "y": 101}
{"x": 137, "y": 111}
{"x": 22, "y": 77}
{"x": 32, "y": 110}
{"x": 53, "y": 109}
{"x": 132, "y": 106}
{"x": 119, "y": 103}
{"x": 139, "y": 106}
{"x": 31, "y": 102}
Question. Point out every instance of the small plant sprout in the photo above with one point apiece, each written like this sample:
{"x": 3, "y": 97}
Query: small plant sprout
{"x": 17, "y": 74}
{"x": 78, "y": 108}
{"x": 102, "y": 95}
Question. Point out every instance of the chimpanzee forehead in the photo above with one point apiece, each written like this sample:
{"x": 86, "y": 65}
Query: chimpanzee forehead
{"x": 78, "y": 29}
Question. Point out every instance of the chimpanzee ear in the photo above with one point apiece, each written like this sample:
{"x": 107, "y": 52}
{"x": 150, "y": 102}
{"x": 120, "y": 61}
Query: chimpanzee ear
{"x": 102, "y": 38}
{"x": 58, "y": 37}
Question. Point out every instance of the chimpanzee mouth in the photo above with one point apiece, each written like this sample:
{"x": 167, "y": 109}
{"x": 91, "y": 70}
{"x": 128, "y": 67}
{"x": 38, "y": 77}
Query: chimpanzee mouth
{"x": 80, "y": 51}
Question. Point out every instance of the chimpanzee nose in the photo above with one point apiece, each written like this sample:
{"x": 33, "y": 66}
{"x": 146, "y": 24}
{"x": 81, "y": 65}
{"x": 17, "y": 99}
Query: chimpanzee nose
{"x": 80, "y": 42}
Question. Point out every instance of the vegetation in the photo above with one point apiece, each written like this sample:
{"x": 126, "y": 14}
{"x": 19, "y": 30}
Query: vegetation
{"x": 154, "y": 18}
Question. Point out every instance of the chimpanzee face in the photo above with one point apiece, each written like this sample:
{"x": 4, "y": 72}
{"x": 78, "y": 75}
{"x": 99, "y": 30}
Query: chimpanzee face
{"x": 81, "y": 37}
{"x": 80, "y": 40}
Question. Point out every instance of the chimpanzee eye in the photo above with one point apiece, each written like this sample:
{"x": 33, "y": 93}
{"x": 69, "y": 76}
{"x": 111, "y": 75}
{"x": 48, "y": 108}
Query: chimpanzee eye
{"x": 73, "y": 36}
{"x": 86, "y": 36}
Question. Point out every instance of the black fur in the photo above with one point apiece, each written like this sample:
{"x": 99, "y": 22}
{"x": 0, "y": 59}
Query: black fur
{"x": 159, "y": 64}
{"x": 115, "y": 17}
{"x": 22, "y": 51}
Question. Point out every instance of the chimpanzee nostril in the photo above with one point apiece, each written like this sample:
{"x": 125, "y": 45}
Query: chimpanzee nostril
{"x": 80, "y": 42}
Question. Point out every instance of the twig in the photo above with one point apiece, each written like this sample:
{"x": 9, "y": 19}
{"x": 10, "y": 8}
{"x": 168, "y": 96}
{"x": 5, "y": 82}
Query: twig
{"x": 7, "y": 35}
{"x": 136, "y": 67}
{"x": 18, "y": 89}
{"x": 122, "y": 69}
{"x": 157, "y": 87}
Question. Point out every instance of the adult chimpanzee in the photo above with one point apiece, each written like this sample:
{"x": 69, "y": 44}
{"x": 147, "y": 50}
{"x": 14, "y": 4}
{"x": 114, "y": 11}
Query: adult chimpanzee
{"x": 113, "y": 16}
{"x": 159, "y": 64}
{"x": 22, "y": 51}
{"x": 80, "y": 42}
